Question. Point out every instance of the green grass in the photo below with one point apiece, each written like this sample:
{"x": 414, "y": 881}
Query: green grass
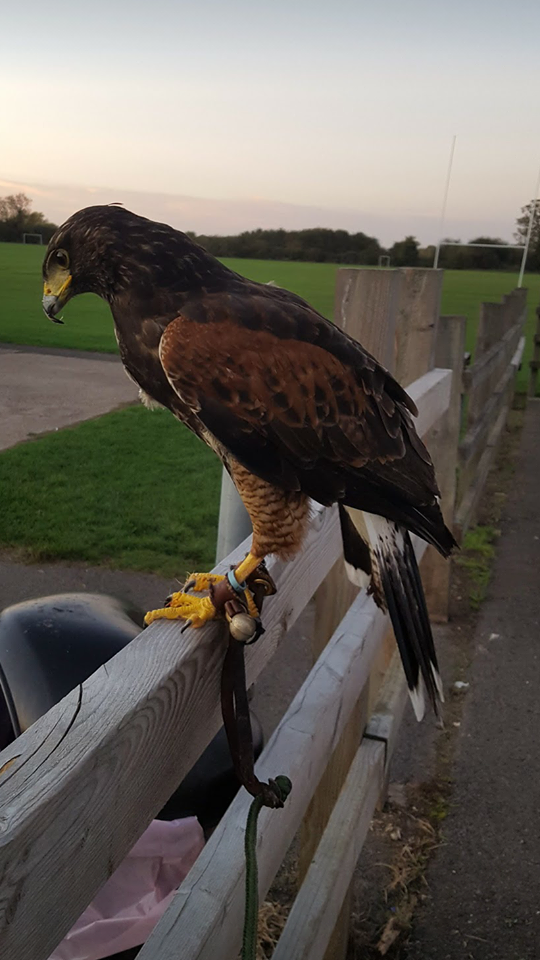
{"x": 133, "y": 489}
{"x": 88, "y": 324}
{"x": 476, "y": 557}
{"x": 88, "y": 327}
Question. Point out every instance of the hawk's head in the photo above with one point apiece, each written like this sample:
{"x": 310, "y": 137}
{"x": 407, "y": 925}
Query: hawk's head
{"x": 87, "y": 254}
{"x": 112, "y": 252}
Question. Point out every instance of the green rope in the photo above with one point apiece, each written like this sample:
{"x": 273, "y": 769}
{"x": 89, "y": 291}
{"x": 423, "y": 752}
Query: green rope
{"x": 249, "y": 940}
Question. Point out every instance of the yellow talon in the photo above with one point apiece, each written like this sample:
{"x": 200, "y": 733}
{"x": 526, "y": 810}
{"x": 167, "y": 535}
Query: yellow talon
{"x": 199, "y": 582}
{"x": 199, "y": 610}
{"x": 184, "y": 606}
{"x": 251, "y": 605}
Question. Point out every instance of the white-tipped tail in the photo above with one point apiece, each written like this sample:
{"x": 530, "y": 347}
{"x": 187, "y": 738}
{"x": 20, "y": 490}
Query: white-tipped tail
{"x": 357, "y": 576}
{"x": 418, "y": 700}
{"x": 379, "y": 551}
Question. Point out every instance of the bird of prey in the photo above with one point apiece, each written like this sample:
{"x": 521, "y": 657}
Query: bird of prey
{"x": 294, "y": 408}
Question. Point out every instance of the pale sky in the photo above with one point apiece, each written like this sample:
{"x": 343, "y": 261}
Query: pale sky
{"x": 224, "y": 116}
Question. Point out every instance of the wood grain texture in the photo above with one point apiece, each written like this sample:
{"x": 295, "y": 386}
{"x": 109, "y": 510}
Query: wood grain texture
{"x": 385, "y": 721}
{"x": 90, "y": 775}
{"x": 316, "y": 908}
{"x": 332, "y": 600}
{"x": 367, "y": 304}
{"x": 443, "y": 440}
{"x": 417, "y": 322}
{"x": 431, "y": 393}
{"x": 483, "y": 455}
{"x": 479, "y": 436}
{"x": 318, "y": 904}
{"x": 204, "y": 920}
{"x": 393, "y": 314}
{"x": 534, "y": 364}
{"x": 482, "y": 378}
{"x": 366, "y": 307}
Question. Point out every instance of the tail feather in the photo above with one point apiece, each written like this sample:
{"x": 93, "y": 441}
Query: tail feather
{"x": 383, "y": 552}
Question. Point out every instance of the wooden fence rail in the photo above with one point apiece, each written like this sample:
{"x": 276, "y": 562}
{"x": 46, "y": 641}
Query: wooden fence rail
{"x": 80, "y": 786}
{"x": 534, "y": 364}
{"x": 488, "y": 387}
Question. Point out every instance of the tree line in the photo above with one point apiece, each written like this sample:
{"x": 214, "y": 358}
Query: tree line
{"x": 17, "y": 218}
{"x": 317, "y": 245}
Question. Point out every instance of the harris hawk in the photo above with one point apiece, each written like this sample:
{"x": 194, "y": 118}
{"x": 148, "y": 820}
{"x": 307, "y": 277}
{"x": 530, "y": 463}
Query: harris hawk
{"x": 293, "y": 406}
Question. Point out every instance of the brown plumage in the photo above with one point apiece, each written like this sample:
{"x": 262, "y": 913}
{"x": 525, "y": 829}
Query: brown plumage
{"x": 293, "y": 406}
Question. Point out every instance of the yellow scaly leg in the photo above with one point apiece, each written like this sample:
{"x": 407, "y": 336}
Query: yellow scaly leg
{"x": 200, "y": 610}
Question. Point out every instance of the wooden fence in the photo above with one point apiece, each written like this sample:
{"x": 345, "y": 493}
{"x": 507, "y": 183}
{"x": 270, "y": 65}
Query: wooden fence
{"x": 488, "y": 389}
{"x": 534, "y": 364}
{"x": 80, "y": 786}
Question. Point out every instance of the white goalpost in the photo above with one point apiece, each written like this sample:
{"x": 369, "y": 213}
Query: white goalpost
{"x": 488, "y": 246}
{"x": 32, "y": 238}
{"x": 384, "y": 261}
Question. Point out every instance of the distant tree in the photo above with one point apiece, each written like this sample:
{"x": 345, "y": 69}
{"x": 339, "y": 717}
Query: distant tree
{"x": 522, "y": 227}
{"x": 318, "y": 245}
{"x": 426, "y": 255}
{"x": 17, "y": 218}
{"x": 16, "y": 205}
{"x": 404, "y": 253}
{"x": 482, "y": 259}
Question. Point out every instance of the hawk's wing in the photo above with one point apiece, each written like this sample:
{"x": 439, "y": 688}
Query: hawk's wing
{"x": 300, "y": 403}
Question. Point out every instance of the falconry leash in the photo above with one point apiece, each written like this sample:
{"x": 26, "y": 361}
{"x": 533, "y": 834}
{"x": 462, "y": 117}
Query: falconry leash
{"x": 245, "y": 629}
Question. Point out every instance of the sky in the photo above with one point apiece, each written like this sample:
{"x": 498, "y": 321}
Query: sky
{"x": 224, "y": 116}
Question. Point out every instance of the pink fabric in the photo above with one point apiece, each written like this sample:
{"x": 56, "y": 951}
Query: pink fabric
{"x": 128, "y": 906}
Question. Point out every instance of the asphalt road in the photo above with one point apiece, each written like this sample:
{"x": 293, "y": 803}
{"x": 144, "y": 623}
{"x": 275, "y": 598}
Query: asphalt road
{"x": 484, "y": 881}
{"x": 42, "y": 390}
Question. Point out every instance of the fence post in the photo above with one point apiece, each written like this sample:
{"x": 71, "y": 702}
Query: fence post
{"x": 443, "y": 445}
{"x": 414, "y": 354}
{"x": 393, "y": 313}
{"x": 234, "y": 524}
{"x": 534, "y": 364}
{"x": 418, "y": 319}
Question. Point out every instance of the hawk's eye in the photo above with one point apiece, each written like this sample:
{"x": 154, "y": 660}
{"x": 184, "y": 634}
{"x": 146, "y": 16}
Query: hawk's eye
{"x": 61, "y": 258}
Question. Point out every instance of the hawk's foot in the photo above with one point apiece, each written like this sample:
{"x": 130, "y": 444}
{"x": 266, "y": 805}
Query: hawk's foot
{"x": 200, "y": 582}
{"x": 196, "y": 611}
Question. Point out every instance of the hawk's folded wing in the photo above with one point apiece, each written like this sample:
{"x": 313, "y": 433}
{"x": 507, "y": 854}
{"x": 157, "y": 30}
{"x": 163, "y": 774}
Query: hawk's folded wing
{"x": 299, "y": 403}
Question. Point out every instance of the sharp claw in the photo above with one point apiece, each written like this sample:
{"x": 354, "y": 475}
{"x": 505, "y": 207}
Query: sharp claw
{"x": 189, "y": 585}
{"x": 186, "y": 625}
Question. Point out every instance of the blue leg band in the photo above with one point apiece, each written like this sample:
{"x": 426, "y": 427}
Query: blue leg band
{"x": 237, "y": 587}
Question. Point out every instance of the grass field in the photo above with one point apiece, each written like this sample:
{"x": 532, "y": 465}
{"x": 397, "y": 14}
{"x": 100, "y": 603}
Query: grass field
{"x": 134, "y": 489}
{"x": 88, "y": 324}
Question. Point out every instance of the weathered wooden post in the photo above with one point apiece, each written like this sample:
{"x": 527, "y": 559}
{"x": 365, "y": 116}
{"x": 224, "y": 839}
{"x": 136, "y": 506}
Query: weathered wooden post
{"x": 489, "y": 384}
{"x": 534, "y": 364}
{"x": 394, "y": 314}
{"x": 443, "y": 441}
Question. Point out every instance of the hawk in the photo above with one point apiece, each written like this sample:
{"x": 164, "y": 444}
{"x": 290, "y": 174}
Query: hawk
{"x": 293, "y": 407}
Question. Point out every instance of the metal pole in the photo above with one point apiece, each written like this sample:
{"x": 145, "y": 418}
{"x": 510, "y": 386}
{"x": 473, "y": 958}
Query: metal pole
{"x": 443, "y": 211}
{"x": 234, "y": 523}
{"x": 529, "y": 231}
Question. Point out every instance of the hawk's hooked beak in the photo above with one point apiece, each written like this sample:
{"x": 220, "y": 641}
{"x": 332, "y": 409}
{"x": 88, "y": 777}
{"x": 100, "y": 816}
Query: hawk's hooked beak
{"x": 54, "y": 299}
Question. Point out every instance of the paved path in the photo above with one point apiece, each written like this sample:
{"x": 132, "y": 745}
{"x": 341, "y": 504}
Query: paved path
{"x": 44, "y": 390}
{"x": 484, "y": 882}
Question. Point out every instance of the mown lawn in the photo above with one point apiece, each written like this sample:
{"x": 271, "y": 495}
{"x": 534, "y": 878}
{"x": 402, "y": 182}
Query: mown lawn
{"x": 88, "y": 324}
{"x": 134, "y": 489}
